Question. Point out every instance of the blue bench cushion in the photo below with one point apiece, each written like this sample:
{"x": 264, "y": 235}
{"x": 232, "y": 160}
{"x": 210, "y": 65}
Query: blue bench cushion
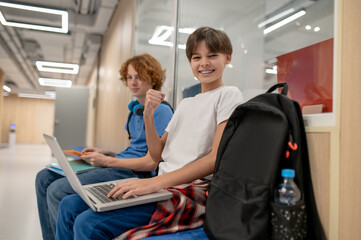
{"x": 194, "y": 234}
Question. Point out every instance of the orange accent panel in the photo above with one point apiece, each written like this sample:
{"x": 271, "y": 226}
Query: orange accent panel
{"x": 309, "y": 74}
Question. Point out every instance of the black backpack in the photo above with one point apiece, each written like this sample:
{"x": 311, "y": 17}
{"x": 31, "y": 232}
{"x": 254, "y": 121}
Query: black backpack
{"x": 262, "y": 136}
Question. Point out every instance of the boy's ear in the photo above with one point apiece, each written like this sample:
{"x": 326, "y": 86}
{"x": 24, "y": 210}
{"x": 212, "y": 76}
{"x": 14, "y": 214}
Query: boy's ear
{"x": 228, "y": 58}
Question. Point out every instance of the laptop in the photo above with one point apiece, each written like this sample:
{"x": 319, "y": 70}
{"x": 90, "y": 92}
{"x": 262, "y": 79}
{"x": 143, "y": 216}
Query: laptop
{"x": 95, "y": 195}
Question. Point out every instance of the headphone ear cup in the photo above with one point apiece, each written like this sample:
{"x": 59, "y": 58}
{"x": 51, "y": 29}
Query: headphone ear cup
{"x": 138, "y": 109}
{"x": 132, "y": 104}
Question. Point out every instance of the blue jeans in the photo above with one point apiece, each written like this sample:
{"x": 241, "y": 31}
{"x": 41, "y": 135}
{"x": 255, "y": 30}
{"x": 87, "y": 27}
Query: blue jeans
{"x": 77, "y": 221}
{"x": 51, "y": 188}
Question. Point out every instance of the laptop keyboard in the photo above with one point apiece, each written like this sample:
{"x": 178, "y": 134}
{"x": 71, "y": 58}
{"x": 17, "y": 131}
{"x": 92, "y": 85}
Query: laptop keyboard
{"x": 101, "y": 191}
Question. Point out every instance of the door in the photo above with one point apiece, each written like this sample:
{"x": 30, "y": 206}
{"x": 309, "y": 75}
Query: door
{"x": 71, "y": 108}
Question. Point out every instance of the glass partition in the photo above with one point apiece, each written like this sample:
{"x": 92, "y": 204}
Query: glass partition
{"x": 154, "y": 34}
{"x": 238, "y": 19}
{"x": 273, "y": 41}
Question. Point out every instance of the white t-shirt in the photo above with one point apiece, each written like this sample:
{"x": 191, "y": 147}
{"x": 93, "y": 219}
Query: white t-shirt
{"x": 193, "y": 126}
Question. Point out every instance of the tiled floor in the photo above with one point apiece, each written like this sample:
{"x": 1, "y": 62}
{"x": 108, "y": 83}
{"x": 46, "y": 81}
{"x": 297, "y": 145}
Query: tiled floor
{"x": 18, "y": 209}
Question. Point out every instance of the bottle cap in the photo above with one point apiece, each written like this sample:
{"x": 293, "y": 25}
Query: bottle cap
{"x": 288, "y": 173}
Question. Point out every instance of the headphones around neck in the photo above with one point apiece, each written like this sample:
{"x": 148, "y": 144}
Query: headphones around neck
{"x": 136, "y": 108}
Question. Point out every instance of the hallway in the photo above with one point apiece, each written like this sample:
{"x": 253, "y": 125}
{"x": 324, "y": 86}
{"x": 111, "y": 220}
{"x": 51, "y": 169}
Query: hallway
{"x": 18, "y": 210}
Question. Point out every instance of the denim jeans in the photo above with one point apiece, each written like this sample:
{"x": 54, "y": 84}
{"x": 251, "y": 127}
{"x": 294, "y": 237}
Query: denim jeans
{"x": 51, "y": 188}
{"x": 77, "y": 221}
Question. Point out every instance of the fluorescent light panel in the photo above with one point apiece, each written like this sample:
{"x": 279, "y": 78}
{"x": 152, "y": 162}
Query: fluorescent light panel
{"x": 30, "y": 95}
{"x": 186, "y": 30}
{"x": 181, "y": 46}
{"x": 52, "y": 82}
{"x": 6, "y": 88}
{"x": 50, "y": 94}
{"x": 284, "y": 22}
{"x": 162, "y": 33}
{"x": 63, "y": 14}
{"x": 276, "y": 17}
{"x": 271, "y": 71}
{"x": 57, "y": 67}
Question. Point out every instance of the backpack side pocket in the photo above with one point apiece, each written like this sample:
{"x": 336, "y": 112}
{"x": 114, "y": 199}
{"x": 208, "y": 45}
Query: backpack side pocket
{"x": 240, "y": 210}
{"x": 288, "y": 222}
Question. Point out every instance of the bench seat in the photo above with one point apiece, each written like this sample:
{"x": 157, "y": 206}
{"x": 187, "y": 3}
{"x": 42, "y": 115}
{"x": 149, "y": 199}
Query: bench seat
{"x": 194, "y": 234}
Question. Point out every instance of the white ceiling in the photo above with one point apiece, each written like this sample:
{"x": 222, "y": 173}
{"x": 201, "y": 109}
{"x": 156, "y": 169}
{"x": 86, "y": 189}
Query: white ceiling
{"x": 20, "y": 48}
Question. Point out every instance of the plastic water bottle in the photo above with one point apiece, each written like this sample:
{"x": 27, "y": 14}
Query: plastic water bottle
{"x": 287, "y": 193}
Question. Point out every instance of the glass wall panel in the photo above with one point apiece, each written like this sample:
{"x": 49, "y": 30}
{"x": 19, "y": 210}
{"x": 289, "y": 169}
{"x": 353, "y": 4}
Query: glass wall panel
{"x": 265, "y": 34}
{"x": 256, "y": 42}
{"x": 237, "y": 19}
{"x": 302, "y": 52}
{"x": 154, "y": 34}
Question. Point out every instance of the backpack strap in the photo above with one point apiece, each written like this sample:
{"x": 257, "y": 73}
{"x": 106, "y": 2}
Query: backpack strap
{"x": 279, "y": 85}
{"x": 166, "y": 103}
{"x": 129, "y": 116}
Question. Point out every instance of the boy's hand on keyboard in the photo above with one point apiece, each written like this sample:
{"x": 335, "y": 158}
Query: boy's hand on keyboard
{"x": 130, "y": 187}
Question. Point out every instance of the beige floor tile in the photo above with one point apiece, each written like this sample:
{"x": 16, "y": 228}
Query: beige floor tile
{"x": 18, "y": 210}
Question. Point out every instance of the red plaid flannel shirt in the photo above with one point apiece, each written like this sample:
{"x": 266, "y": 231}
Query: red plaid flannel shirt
{"x": 184, "y": 211}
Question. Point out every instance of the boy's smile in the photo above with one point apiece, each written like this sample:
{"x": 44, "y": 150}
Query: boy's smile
{"x": 208, "y": 67}
{"x": 206, "y": 72}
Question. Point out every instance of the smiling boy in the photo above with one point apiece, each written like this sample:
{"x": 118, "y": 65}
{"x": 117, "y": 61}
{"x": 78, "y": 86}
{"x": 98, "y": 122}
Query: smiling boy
{"x": 186, "y": 154}
{"x": 139, "y": 73}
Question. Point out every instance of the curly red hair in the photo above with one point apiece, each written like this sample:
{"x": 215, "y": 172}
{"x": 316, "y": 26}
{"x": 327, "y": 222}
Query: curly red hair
{"x": 148, "y": 69}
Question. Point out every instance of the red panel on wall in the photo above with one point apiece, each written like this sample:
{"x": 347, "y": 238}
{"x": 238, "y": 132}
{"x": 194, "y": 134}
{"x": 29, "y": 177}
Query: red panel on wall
{"x": 309, "y": 74}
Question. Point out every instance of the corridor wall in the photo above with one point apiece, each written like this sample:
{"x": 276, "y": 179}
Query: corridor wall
{"x": 112, "y": 96}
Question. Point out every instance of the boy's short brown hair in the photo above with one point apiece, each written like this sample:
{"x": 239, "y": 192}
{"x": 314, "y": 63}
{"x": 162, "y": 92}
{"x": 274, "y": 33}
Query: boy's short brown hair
{"x": 217, "y": 41}
{"x": 148, "y": 69}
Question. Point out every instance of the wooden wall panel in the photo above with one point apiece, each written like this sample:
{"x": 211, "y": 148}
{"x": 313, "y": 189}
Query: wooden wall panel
{"x": 92, "y": 85}
{"x": 319, "y": 153}
{"x": 2, "y": 77}
{"x": 32, "y": 117}
{"x": 112, "y": 96}
{"x": 350, "y": 131}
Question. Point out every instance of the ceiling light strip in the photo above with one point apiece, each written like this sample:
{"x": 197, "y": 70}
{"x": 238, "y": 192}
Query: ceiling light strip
{"x": 186, "y": 30}
{"x": 57, "y": 67}
{"x": 276, "y": 17}
{"x": 284, "y": 22}
{"x": 2, "y": 19}
{"x": 271, "y": 71}
{"x": 31, "y": 8}
{"x": 63, "y": 14}
{"x": 6, "y": 88}
{"x": 30, "y": 95}
{"x": 52, "y": 82}
{"x": 162, "y": 33}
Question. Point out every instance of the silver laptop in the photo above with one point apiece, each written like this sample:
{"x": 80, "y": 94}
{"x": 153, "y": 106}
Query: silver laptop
{"x": 95, "y": 195}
